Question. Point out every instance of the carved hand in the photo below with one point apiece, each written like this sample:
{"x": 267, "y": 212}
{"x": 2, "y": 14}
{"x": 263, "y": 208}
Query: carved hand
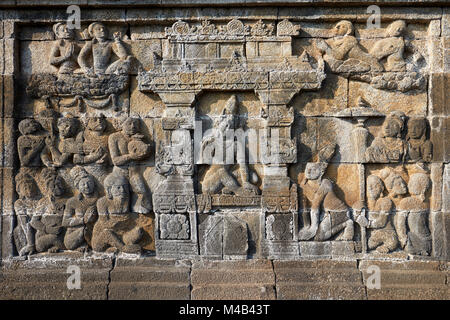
{"x": 362, "y": 221}
{"x": 117, "y": 36}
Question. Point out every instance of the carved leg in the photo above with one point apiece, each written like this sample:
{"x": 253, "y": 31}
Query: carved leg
{"x": 108, "y": 239}
{"x": 74, "y": 238}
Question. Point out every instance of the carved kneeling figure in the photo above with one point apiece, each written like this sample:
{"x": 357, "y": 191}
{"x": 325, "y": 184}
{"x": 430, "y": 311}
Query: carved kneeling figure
{"x": 383, "y": 237}
{"x": 335, "y": 216}
{"x": 115, "y": 229}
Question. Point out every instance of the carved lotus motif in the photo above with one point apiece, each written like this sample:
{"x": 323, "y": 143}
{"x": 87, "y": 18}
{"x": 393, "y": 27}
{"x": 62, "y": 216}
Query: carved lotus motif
{"x": 174, "y": 226}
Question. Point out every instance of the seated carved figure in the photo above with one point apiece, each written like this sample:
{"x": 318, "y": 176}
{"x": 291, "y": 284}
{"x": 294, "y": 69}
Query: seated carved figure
{"x": 31, "y": 143}
{"x": 329, "y": 215}
{"x": 383, "y": 237}
{"x": 218, "y": 177}
{"x": 94, "y": 143}
{"x": 48, "y": 219}
{"x": 418, "y": 147}
{"x": 64, "y": 50}
{"x": 115, "y": 229}
{"x": 412, "y": 224}
{"x": 81, "y": 211}
{"x": 392, "y": 47}
{"x": 127, "y": 147}
{"x": 389, "y": 145}
{"x": 343, "y": 52}
{"x": 24, "y": 208}
{"x": 101, "y": 51}
{"x": 58, "y": 153}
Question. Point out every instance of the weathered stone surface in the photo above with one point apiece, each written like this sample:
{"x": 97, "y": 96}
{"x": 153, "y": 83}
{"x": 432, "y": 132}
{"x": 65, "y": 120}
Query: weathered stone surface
{"x": 252, "y": 279}
{"x": 51, "y": 275}
{"x": 208, "y": 131}
{"x": 149, "y": 278}
{"x": 318, "y": 279}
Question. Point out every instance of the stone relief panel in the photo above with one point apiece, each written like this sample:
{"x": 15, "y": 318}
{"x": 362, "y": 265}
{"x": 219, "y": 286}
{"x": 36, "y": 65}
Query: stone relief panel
{"x": 226, "y": 139}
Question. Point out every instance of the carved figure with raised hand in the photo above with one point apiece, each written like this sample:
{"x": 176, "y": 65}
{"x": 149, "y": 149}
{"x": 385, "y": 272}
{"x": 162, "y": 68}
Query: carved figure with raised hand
{"x": 101, "y": 50}
{"x": 418, "y": 146}
{"x": 343, "y": 52}
{"x": 64, "y": 50}
{"x": 391, "y": 47}
{"x": 31, "y": 143}
{"x": 60, "y": 152}
{"x": 412, "y": 223}
{"x": 49, "y": 213}
{"x": 24, "y": 208}
{"x": 94, "y": 142}
{"x": 81, "y": 211}
{"x": 389, "y": 145}
{"x": 127, "y": 147}
{"x": 328, "y": 215}
{"x": 115, "y": 230}
{"x": 218, "y": 177}
{"x": 383, "y": 237}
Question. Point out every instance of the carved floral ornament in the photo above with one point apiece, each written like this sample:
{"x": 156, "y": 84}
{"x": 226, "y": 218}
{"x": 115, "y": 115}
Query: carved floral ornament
{"x": 88, "y": 182}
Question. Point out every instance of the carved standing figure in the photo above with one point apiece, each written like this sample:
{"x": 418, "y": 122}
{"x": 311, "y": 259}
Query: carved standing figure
{"x": 218, "y": 176}
{"x": 58, "y": 153}
{"x": 64, "y": 50}
{"x": 343, "y": 52}
{"x": 383, "y": 237}
{"x": 389, "y": 145}
{"x": 412, "y": 223}
{"x": 94, "y": 142}
{"x": 101, "y": 50}
{"x": 127, "y": 147}
{"x": 47, "y": 221}
{"x": 392, "y": 47}
{"x": 115, "y": 230}
{"x": 81, "y": 211}
{"x": 418, "y": 146}
{"x": 24, "y": 208}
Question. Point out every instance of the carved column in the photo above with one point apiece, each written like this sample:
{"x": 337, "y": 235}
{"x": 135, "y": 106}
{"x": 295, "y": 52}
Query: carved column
{"x": 174, "y": 199}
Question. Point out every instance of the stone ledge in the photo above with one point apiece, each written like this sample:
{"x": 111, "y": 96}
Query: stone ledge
{"x": 154, "y": 279}
{"x": 174, "y": 3}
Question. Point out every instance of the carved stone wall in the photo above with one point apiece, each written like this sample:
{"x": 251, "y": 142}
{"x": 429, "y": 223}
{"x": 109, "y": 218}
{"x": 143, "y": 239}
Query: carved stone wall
{"x": 216, "y": 133}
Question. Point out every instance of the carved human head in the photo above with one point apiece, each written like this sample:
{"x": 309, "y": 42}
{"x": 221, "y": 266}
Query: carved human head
{"x": 52, "y": 183}
{"x": 116, "y": 186}
{"x": 29, "y": 126}
{"x": 131, "y": 126}
{"x": 395, "y": 184}
{"x": 97, "y": 123}
{"x": 62, "y": 31}
{"x": 82, "y": 180}
{"x": 418, "y": 184}
{"x": 26, "y": 186}
{"x": 396, "y": 28}
{"x": 375, "y": 187}
{"x": 417, "y": 127}
{"x": 315, "y": 170}
{"x": 98, "y": 31}
{"x": 343, "y": 28}
{"x": 67, "y": 127}
{"x": 393, "y": 125}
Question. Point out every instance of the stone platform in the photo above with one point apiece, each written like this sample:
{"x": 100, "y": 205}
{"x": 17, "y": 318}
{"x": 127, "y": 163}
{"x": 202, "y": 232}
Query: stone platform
{"x": 122, "y": 277}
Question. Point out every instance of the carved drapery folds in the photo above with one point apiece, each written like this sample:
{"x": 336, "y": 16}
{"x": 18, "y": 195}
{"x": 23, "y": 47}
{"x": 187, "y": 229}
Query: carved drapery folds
{"x": 235, "y": 165}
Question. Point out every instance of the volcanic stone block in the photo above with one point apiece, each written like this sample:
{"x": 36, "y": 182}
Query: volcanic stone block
{"x": 47, "y": 277}
{"x": 318, "y": 279}
{"x": 251, "y": 279}
{"x": 150, "y": 279}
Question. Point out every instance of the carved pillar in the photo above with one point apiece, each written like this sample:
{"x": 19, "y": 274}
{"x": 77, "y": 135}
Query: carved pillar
{"x": 279, "y": 218}
{"x": 174, "y": 199}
